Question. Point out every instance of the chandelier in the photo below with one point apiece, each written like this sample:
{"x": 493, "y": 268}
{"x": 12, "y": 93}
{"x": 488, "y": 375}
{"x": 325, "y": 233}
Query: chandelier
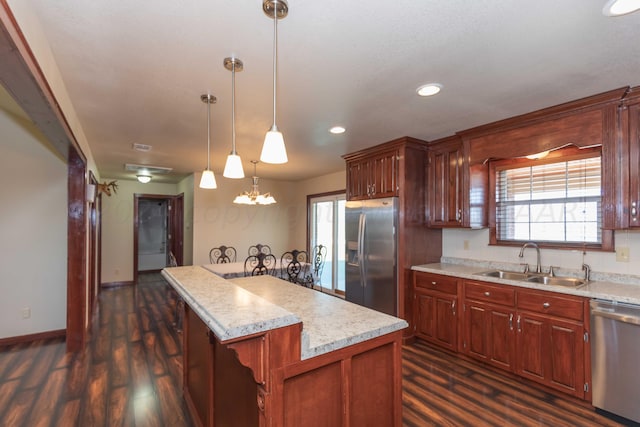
{"x": 254, "y": 197}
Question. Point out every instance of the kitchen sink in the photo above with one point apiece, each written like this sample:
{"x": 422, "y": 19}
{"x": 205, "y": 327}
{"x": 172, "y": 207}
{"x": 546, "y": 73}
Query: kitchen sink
{"x": 534, "y": 278}
{"x": 509, "y": 275}
{"x": 557, "y": 281}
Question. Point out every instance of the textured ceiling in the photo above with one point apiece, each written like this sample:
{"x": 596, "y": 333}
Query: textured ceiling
{"x": 135, "y": 71}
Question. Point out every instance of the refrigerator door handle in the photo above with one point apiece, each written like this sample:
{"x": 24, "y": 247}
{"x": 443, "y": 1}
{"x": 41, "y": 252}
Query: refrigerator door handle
{"x": 361, "y": 254}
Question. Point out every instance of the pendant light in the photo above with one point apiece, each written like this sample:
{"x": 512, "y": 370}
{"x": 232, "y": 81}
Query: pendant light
{"x": 233, "y": 167}
{"x": 208, "y": 179}
{"x": 254, "y": 197}
{"x": 273, "y": 150}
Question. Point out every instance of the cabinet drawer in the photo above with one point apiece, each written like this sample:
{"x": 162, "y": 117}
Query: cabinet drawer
{"x": 552, "y": 304}
{"x": 444, "y": 284}
{"x": 497, "y": 294}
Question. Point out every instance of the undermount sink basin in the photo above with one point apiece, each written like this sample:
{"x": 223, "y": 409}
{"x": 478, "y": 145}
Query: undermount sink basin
{"x": 534, "y": 278}
{"x": 509, "y": 275}
{"x": 557, "y": 281}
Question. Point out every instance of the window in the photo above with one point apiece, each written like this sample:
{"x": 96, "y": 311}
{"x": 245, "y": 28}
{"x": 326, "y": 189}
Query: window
{"x": 555, "y": 201}
{"x": 326, "y": 227}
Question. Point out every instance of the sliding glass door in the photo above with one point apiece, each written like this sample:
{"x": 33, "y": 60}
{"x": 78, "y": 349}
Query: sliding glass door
{"x": 326, "y": 227}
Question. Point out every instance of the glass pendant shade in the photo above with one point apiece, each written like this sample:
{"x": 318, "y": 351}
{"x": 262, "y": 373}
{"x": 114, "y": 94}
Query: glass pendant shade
{"x": 273, "y": 150}
{"x": 144, "y": 178}
{"x": 233, "y": 167}
{"x": 208, "y": 180}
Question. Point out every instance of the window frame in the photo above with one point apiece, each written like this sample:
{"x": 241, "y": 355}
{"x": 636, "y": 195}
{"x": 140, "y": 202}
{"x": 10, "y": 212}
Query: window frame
{"x": 556, "y": 156}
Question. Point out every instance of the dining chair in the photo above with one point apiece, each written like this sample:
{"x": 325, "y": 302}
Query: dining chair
{"x": 222, "y": 254}
{"x": 318, "y": 257}
{"x": 260, "y": 264}
{"x": 295, "y": 266}
{"x": 259, "y": 248}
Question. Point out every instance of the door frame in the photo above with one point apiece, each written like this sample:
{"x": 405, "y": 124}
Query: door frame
{"x": 175, "y": 222}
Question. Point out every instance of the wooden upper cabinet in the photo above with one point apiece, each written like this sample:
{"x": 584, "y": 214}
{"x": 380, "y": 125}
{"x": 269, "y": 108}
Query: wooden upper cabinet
{"x": 445, "y": 177}
{"x": 373, "y": 177}
{"x": 629, "y": 177}
{"x": 457, "y": 192}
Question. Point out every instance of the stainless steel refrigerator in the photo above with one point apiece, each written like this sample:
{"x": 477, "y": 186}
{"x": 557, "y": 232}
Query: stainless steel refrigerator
{"x": 371, "y": 254}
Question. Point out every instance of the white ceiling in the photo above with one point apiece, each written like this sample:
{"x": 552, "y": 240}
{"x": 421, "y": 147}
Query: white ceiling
{"x": 135, "y": 71}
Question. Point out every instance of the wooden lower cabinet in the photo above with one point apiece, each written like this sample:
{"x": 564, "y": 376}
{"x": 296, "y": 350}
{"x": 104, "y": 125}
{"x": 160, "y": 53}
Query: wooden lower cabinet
{"x": 539, "y": 335}
{"x": 488, "y": 334}
{"x": 551, "y": 348}
{"x": 436, "y": 308}
{"x": 260, "y": 380}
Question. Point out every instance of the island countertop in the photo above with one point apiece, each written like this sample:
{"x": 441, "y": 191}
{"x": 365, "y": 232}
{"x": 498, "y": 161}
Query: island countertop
{"x": 244, "y": 306}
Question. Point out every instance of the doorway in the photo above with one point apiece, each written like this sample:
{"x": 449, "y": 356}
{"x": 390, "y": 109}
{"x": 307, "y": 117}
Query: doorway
{"x": 158, "y": 221}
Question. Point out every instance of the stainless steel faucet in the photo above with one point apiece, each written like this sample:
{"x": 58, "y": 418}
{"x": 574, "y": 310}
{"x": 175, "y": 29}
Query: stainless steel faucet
{"x": 587, "y": 272}
{"x": 532, "y": 245}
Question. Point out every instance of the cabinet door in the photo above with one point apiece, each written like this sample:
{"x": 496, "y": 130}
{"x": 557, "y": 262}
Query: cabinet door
{"x": 633, "y": 204}
{"x": 356, "y": 181}
{"x": 551, "y": 352}
{"x": 489, "y": 334}
{"x": 446, "y": 332}
{"x": 425, "y": 316}
{"x": 445, "y": 183}
{"x": 383, "y": 177}
{"x": 436, "y": 319}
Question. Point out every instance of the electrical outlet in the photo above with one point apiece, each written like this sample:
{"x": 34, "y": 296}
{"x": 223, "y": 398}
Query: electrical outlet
{"x": 465, "y": 245}
{"x": 26, "y": 312}
{"x": 622, "y": 254}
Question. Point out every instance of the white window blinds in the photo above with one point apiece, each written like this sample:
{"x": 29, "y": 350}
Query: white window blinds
{"x": 554, "y": 202}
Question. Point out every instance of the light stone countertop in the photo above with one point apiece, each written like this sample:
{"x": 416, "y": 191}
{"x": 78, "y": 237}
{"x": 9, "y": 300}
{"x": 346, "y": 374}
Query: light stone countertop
{"x": 614, "y": 291}
{"x": 244, "y": 306}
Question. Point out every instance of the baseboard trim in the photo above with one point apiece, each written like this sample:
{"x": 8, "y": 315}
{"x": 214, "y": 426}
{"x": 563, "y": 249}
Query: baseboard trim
{"x": 33, "y": 337}
{"x": 116, "y": 284}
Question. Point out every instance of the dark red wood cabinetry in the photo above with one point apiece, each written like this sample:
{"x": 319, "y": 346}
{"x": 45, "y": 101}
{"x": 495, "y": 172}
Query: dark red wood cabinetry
{"x": 436, "y": 308}
{"x": 374, "y": 176}
{"x": 538, "y": 335}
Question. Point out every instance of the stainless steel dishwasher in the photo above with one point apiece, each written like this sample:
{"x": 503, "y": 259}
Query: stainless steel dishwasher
{"x": 615, "y": 357}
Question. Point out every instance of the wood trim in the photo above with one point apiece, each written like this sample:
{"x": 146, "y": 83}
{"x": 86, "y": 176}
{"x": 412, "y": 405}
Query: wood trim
{"x": 117, "y": 284}
{"x": 58, "y": 333}
{"x": 24, "y": 79}
{"x": 555, "y": 112}
{"x": 386, "y": 146}
{"x": 77, "y": 320}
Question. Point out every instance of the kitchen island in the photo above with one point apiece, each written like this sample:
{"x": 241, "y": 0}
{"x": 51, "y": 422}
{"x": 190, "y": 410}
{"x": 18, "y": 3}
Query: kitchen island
{"x": 260, "y": 351}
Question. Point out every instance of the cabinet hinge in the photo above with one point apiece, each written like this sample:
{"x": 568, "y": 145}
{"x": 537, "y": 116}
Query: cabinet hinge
{"x": 586, "y": 337}
{"x": 586, "y": 387}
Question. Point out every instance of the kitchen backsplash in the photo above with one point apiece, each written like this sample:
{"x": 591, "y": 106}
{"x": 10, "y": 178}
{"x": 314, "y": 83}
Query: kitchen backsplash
{"x": 472, "y": 246}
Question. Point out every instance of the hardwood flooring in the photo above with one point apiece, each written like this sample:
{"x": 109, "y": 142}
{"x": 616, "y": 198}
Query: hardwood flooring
{"x": 130, "y": 375}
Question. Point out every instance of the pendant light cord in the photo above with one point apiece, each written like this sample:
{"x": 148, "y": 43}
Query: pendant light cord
{"x": 275, "y": 59}
{"x": 209, "y": 132}
{"x": 233, "y": 108}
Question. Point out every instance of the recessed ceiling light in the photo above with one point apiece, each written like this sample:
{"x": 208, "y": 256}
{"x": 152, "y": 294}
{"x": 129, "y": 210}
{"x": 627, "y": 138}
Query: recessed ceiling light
{"x": 336, "y": 130}
{"x": 429, "y": 89}
{"x": 620, "y": 7}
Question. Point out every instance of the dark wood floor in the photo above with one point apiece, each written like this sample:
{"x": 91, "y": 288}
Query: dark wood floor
{"x": 130, "y": 375}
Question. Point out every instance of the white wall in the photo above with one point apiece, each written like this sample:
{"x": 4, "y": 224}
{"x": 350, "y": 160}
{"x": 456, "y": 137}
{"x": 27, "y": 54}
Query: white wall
{"x": 453, "y": 245}
{"x": 33, "y": 230}
{"x": 117, "y": 227}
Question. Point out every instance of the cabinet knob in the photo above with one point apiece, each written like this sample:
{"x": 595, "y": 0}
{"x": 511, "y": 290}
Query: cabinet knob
{"x": 487, "y": 294}
{"x": 434, "y": 283}
{"x": 634, "y": 211}
{"x": 546, "y": 305}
